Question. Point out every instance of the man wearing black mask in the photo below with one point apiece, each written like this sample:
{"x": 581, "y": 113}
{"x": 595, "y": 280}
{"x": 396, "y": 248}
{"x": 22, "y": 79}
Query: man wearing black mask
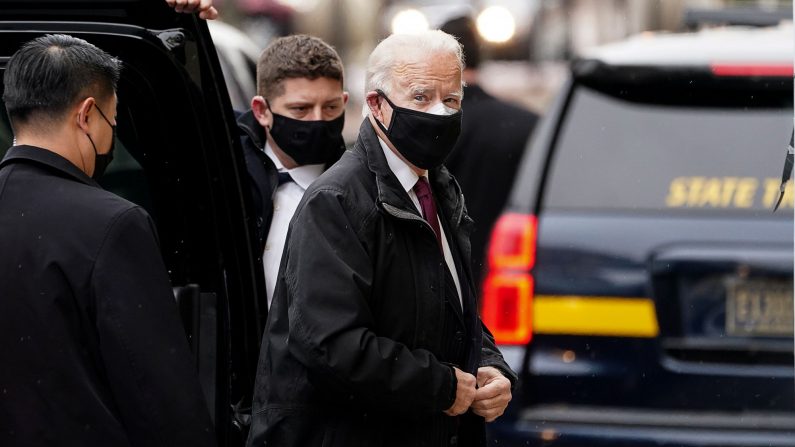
{"x": 91, "y": 343}
{"x": 292, "y": 133}
{"x": 374, "y": 337}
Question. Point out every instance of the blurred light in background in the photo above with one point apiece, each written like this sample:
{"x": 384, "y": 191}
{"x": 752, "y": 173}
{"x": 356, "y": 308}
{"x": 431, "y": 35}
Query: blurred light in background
{"x": 496, "y": 24}
{"x": 301, "y": 6}
{"x": 409, "y": 21}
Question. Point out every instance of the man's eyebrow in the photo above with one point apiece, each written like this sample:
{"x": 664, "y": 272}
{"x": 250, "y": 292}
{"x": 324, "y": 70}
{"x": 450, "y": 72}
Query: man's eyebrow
{"x": 298, "y": 102}
{"x": 420, "y": 90}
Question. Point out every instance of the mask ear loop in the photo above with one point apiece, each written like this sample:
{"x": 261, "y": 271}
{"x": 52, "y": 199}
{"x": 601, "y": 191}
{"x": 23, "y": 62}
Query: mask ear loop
{"x": 268, "y": 105}
{"x": 112, "y": 128}
{"x": 105, "y": 118}
{"x": 91, "y": 140}
{"x": 383, "y": 95}
{"x": 391, "y": 104}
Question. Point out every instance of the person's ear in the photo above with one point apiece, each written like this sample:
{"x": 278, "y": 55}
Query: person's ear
{"x": 374, "y": 104}
{"x": 263, "y": 115}
{"x": 345, "y": 97}
{"x": 83, "y": 109}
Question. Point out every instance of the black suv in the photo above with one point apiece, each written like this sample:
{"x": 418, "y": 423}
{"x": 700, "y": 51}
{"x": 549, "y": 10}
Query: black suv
{"x": 639, "y": 278}
{"x": 178, "y": 156}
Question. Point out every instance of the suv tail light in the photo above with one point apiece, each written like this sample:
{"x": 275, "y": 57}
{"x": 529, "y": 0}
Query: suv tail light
{"x": 508, "y": 288}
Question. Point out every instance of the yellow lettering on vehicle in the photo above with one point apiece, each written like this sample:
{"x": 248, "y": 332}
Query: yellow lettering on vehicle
{"x": 711, "y": 194}
{"x": 772, "y": 192}
{"x": 746, "y": 189}
{"x": 725, "y": 192}
{"x": 729, "y": 186}
{"x": 696, "y": 184}
{"x": 677, "y": 194}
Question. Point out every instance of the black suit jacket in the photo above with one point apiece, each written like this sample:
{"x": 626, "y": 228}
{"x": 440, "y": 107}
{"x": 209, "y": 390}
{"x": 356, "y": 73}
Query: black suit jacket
{"x": 262, "y": 174}
{"x": 493, "y": 138}
{"x": 92, "y": 351}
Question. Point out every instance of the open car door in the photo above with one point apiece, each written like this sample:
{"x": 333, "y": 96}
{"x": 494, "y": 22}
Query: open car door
{"x": 178, "y": 156}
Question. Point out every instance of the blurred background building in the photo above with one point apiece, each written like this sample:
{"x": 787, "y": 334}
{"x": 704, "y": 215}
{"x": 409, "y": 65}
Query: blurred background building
{"x": 527, "y": 42}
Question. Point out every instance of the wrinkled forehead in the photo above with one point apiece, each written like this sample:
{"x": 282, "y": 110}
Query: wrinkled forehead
{"x": 440, "y": 68}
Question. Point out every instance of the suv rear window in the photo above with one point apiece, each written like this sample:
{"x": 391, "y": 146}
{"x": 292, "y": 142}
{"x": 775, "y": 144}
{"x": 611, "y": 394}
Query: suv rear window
{"x": 617, "y": 154}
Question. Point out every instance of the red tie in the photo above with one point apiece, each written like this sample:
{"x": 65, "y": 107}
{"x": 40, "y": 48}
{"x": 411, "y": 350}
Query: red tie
{"x": 425, "y": 196}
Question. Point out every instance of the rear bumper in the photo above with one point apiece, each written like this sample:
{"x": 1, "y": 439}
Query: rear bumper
{"x": 600, "y": 426}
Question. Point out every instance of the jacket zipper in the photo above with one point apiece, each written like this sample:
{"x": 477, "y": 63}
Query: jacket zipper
{"x": 405, "y": 215}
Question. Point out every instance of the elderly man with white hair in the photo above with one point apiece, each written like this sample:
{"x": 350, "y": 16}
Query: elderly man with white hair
{"x": 373, "y": 337}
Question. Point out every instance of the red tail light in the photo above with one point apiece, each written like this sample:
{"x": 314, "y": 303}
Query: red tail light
{"x": 508, "y": 288}
{"x": 774, "y": 70}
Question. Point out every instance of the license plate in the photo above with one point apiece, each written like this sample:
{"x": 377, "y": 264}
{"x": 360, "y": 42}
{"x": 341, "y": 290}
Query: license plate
{"x": 759, "y": 307}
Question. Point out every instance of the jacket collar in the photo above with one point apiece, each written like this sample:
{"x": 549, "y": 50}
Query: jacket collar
{"x": 403, "y": 172}
{"x": 49, "y": 159}
{"x": 391, "y": 192}
{"x": 252, "y": 128}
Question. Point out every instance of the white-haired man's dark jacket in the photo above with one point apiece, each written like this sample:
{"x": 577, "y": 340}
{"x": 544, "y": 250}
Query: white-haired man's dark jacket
{"x": 365, "y": 326}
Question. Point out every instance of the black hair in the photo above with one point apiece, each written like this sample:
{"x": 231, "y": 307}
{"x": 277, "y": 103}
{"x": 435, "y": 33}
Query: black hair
{"x": 49, "y": 74}
{"x": 463, "y": 29}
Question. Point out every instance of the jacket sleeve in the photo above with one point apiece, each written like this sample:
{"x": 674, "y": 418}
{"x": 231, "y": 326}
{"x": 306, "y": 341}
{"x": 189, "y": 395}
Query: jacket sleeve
{"x": 328, "y": 275}
{"x": 490, "y": 356}
{"x": 144, "y": 349}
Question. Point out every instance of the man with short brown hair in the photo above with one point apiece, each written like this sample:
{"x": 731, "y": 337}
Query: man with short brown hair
{"x": 292, "y": 133}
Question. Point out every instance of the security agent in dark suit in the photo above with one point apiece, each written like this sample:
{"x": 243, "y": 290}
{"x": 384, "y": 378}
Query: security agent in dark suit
{"x": 91, "y": 345}
{"x": 291, "y": 134}
{"x": 494, "y": 134}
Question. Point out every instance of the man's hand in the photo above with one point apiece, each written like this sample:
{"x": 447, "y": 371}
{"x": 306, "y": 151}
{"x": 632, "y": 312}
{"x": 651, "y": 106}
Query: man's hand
{"x": 464, "y": 393}
{"x": 493, "y": 394}
{"x": 205, "y": 8}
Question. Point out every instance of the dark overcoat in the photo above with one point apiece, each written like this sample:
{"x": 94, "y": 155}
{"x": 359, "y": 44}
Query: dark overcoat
{"x": 363, "y": 332}
{"x": 92, "y": 350}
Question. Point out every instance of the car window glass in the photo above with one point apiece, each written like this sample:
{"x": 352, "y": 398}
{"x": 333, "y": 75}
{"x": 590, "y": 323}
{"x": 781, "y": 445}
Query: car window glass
{"x": 620, "y": 155}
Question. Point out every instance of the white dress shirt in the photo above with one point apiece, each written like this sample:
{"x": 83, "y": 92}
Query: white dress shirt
{"x": 285, "y": 201}
{"x": 408, "y": 178}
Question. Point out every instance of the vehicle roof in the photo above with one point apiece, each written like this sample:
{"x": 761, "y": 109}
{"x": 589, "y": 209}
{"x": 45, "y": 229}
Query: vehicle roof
{"x": 725, "y": 45}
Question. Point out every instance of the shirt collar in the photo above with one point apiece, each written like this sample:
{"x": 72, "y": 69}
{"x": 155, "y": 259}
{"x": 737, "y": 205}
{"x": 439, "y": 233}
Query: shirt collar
{"x": 405, "y": 175}
{"x": 302, "y": 175}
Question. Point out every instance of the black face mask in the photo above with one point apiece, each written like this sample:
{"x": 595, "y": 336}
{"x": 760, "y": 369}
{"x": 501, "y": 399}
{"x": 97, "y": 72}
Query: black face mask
{"x": 424, "y": 139}
{"x": 309, "y": 142}
{"x": 101, "y": 161}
